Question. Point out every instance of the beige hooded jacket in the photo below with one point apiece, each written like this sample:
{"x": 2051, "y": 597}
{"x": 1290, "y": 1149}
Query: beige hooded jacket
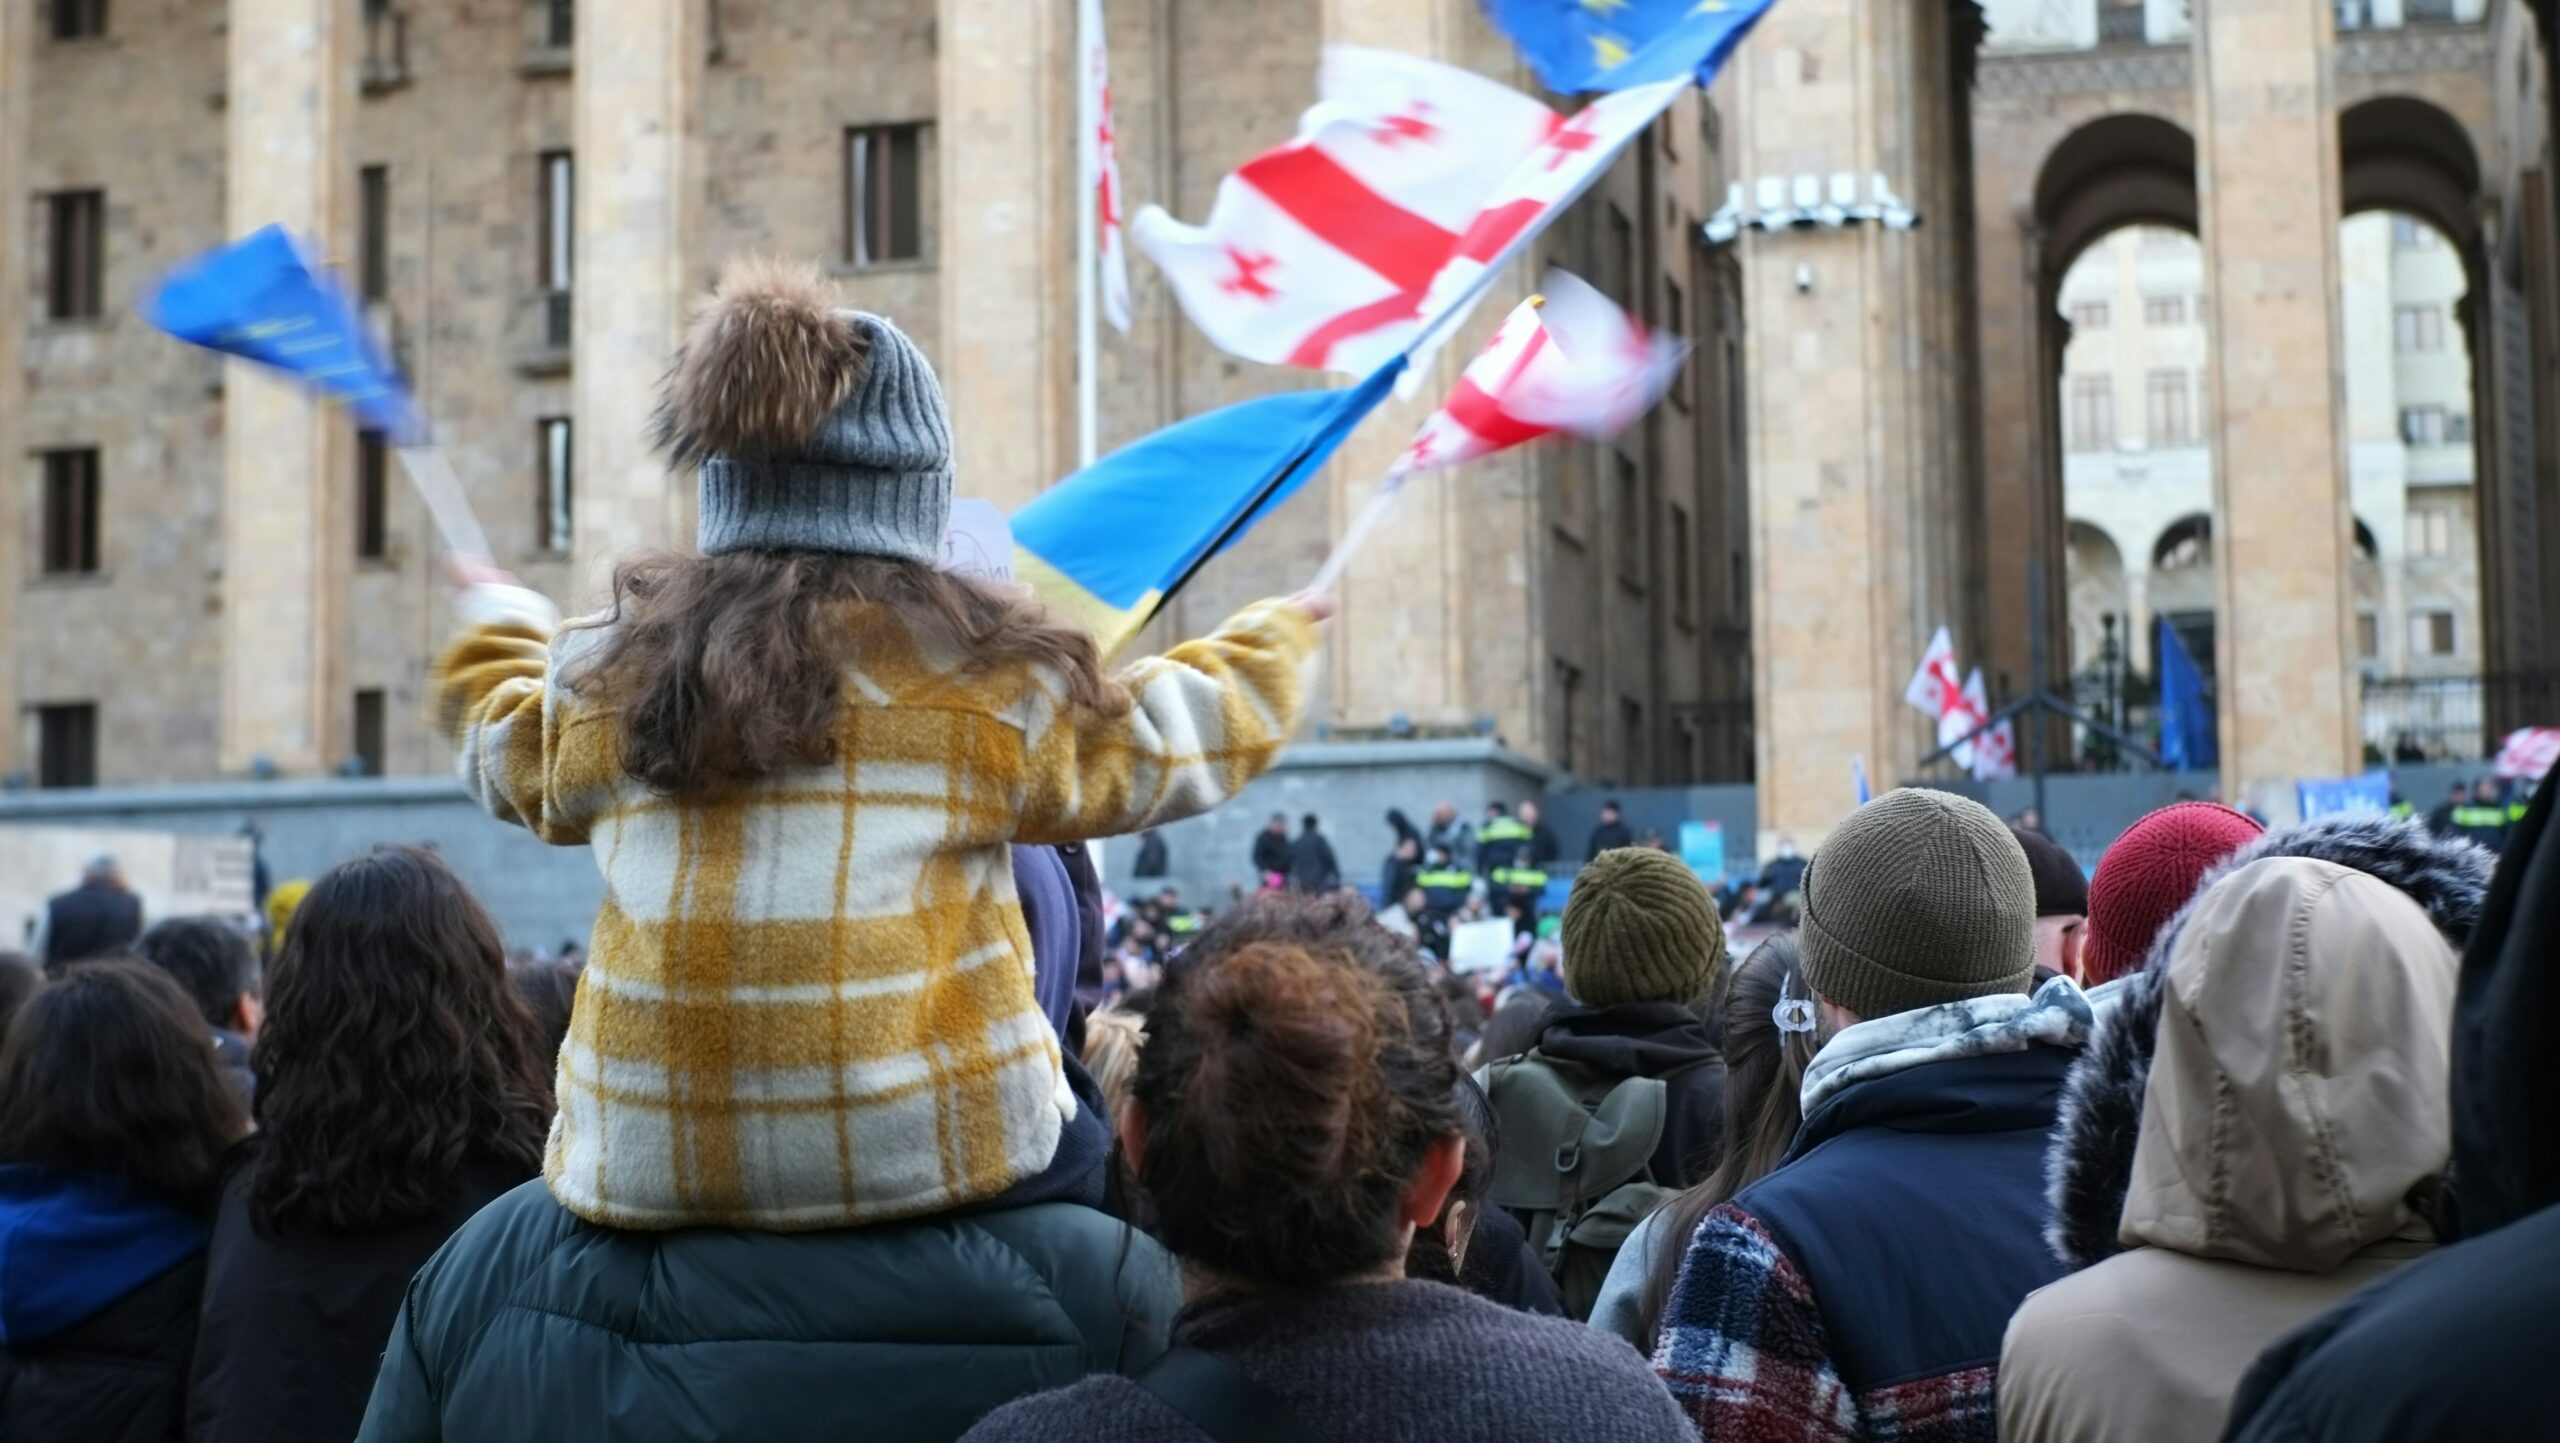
{"x": 2298, "y": 1096}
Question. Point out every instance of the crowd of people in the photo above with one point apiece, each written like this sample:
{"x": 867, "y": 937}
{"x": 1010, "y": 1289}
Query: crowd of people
{"x": 855, "y": 1121}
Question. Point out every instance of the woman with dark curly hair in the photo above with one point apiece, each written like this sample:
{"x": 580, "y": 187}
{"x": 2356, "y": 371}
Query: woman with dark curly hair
{"x": 1295, "y": 1121}
{"x": 113, "y": 1121}
{"x": 401, "y": 1086}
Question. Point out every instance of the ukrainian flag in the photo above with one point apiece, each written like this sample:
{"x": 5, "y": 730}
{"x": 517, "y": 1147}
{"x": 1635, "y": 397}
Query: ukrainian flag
{"x": 1106, "y": 546}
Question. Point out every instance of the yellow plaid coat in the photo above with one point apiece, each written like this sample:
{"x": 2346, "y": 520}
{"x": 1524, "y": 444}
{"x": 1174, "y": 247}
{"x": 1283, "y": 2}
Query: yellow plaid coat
{"x": 810, "y": 1004}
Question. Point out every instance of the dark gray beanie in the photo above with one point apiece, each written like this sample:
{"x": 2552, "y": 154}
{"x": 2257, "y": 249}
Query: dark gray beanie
{"x": 875, "y": 480}
{"x": 1920, "y": 897}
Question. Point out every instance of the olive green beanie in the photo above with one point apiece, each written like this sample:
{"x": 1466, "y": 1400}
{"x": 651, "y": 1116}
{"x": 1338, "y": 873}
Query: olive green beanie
{"x": 1921, "y": 897}
{"x": 1641, "y": 927}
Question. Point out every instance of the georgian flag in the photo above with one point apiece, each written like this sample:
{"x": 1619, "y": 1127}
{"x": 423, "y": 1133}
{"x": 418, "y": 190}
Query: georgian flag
{"x": 2529, "y": 753}
{"x": 1990, "y": 756}
{"x": 1102, "y": 171}
{"x": 1568, "y": 361}
{"x": 1934, "y": 687}
{"x": 1321, "y": 253}
{"x": 1965, "y": 710}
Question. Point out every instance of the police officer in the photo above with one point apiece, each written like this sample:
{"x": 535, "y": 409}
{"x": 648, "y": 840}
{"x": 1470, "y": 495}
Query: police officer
{"x": 2484, "y": 820}
{"x": 1443, "y": 884}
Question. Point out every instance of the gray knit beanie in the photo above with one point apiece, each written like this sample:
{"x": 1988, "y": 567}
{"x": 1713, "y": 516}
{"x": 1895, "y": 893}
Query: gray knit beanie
{"x": 1640, "y": 927}
{"x": 817, "y": 429}
{"x": 1921, "y": 897}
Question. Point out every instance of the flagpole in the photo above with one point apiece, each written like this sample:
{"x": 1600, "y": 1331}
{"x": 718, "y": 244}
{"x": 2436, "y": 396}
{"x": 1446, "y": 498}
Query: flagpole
{"x": 1088, "y": 162}
{"x": 1330, "y": 574}
{"x": 432, "y": 477}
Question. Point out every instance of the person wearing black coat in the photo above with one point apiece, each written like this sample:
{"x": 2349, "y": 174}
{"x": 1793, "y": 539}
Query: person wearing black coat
{"x": 94, "y": 919}
{"x": 112, "y": 1122}
{"x": 1611, "y": 834}
{"x": 2454, "y": 1345}
{"x": 1271, "y": 851}
{"x": 1154, "y": 859}
{"x": 1312, "y": 867}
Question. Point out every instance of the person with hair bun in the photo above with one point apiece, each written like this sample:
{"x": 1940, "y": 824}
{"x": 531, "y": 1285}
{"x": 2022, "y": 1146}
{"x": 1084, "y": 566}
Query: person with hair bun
{"x": 1295, "y": 1119}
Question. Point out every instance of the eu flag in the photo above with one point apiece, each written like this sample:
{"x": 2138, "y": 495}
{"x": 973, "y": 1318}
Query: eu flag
{"x": 263, "y": 298}
{"x": 1579, "y": 45}
{"x": 1106, "y": 546}
{"x": 2187, "y": 740}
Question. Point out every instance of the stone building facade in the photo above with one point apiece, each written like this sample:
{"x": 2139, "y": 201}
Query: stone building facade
{"x": 530, "y": 193}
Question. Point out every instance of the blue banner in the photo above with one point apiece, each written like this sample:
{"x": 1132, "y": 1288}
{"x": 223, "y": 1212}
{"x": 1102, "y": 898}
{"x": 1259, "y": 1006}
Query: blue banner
{"x": 262, "y": 298}
{"x": 1579, "y": 45}
{"x": 1702, "y": 848}
{"x": 2187, "y": 742}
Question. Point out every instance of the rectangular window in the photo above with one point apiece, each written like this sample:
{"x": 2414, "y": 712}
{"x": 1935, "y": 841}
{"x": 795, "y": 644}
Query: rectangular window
{"x": 373, "y": 231}
{"x": 79, "y": 19}
{"x": 1681, "y": 563}
{"x": 71, "y": 512}
{"x": 2092, "y": 419}
{"x": 2164, "y": 310}
{"x": 558, "y": 492}
{"x": 2088, "y": 315}
{"x": 373, "y": 495}
{"x": 67, "y": 744}
{"x": 2422, "y": 425}
{"x": 2169, "y": 408}
{"x": 2368, "y": 636}
{"x": 368, "y": 733}
{"x": 2417, "y": 329}
{"x": 558, "y": 198}
{"x": 1631, "y": 565}
{"x": 559, "y": 23}
{"x": 75, "y": 254}
{"x": 2431, "y": 633}
{"x": 883, "y": 194}
{"x": 1675, "y": 321}
{"x": 2457, "y": 428}
{"x": 1621, "y": 260}
{"x": 1631, "y": 753}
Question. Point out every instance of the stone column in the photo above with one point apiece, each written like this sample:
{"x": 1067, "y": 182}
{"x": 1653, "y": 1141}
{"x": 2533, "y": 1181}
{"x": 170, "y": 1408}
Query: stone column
{"x": 634, "y": 271}
{"x": 1005, "y": 129}
{"x": 17, "y": 38}
{"x": 2267, "y": 161}
{"x": 1840, "y": 429}
{"x": 291, "y": 99}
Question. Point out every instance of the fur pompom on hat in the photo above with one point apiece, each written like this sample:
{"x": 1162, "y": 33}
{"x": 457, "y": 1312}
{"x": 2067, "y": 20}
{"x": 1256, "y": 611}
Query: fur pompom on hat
{"x": 815, "y": 428}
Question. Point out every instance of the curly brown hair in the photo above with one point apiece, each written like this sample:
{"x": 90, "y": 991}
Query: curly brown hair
{"x": 725, "y": 669}
{"x": 1296, "y": 1071}
{"x": 393, "y": 1049}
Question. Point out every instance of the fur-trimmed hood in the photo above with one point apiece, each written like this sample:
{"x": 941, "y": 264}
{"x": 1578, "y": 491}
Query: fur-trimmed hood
{"x": 2089, "y": 1166}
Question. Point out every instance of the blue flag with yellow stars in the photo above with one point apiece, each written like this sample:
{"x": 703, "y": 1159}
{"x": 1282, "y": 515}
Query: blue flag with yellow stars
{"x": 265, "y": 298}
{"x": 1579, "y": 45}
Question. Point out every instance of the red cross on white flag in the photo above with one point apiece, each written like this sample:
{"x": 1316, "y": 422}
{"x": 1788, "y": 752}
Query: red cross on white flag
{"x": 1569, "y": 362}
{"x": 1934, "y": 687}
{"x": 1319, "y": 253}
{"x": 1102, "y": 178}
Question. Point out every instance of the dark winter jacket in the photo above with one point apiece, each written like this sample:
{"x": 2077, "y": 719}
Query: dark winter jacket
{"x": 293, "y": 1326}
{"x": 1500, "y": 1267}
{"x": 98, "y": 1289}
{"x": 1311, "y": 864}
{"x": 90, "y": 920}
{"x": 2456, "y": 1346}
{"x": 1861, "y": 1289}
{"x": 1154, "y": 859}
{"x": 1400, "y": 1362}
{"x": 1608, "y": 837}
{"x": 1781, "y": 876}
{"x": 535, "y": 1325}
{"x": 1271, "y": 852}
{"x": 1653, "y": 1039}
{"x": 2089, "y": 1165}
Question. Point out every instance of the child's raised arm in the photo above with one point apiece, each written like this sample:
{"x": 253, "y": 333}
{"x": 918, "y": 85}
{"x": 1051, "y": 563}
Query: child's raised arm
{"x": 1210, "y": 716}
{"x": 491, "y": 702}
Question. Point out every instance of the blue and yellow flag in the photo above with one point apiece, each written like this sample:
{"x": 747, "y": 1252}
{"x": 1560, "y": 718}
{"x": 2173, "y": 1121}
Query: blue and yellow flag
{"x": 1579, "y": 45}
{"x": 1106, "y": 546}
{"x": 262, "y": 298}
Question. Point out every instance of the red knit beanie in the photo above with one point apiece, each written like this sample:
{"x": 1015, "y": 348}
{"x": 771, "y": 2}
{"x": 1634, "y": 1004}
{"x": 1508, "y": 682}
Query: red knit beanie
{"x": 2149, "y": 874}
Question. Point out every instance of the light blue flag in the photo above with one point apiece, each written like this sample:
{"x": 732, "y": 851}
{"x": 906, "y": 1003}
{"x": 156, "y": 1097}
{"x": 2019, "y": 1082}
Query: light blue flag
{"x": 1107, "y": 545}
{"x": 264, "y": 299}
{"x": 1579, "y": 45}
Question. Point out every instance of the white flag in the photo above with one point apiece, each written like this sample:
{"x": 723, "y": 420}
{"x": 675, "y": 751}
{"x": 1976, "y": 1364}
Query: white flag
{"x": 1101, "y": 152}
{"x": 1933, "y": 687}
{"x": 1569, "y": 361}
{"x": 1966, "y": 709}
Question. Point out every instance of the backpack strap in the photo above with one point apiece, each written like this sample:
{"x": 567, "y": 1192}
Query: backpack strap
{"x": 1222, "y": 1400}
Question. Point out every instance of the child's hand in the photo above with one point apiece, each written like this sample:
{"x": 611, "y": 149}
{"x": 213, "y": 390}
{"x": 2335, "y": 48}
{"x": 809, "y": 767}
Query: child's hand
{"x": 464, "y": 572}
{"x": 1319, "y": 606}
